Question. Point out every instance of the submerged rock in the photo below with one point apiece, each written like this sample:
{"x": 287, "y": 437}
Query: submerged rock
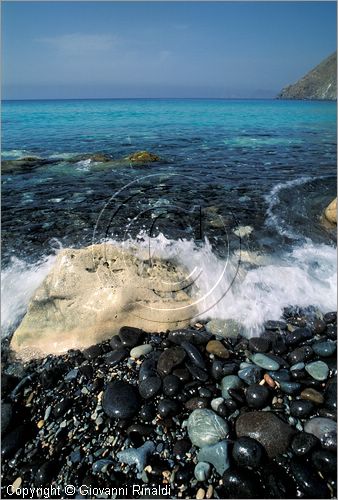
{"x": 91, "y": 293}
{"x": 143, "y": 157}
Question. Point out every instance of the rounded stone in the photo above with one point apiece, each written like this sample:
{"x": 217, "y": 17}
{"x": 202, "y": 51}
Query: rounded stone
{"x": 259, "y": 344}
{"x": 202, "y": 471}
{"x": 325, "y": 462}
{"x": 237, "y": 484}
{"x": 120, "y": 400}
{"x": 324, "y": 349}
{"x": 217, "y": 348}
{"x": 301, "y": 408}
{"x": 318, "y": 370}
{"x": 150, "y": 387}
{"x": 130, "y": 337}
{"x": 230, "y": 382}
{"x": 257, "y": 396}
{"x": 247, "y": 452}
{"x": 303, "y": 443}
{"x": 264, "y": 361}
{"x": 206, "y": 428}
{"x": 320, "y": 426}
{"x": 167, "y": 407}
{"x": 140, "y": 350}
{"x": 300, "y": 354}
{"x": 251, "y": 374}
{"x": 311, "y": 394}
{"x": 171, "y": 385}
{"x": 169, "y": 359}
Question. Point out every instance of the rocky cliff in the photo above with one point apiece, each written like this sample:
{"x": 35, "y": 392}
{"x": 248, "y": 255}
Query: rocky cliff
{"x": 319, "y": 83}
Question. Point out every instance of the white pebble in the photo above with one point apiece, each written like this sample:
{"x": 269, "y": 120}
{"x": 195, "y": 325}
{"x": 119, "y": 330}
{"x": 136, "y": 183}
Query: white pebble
{"x": 140, "y": 350}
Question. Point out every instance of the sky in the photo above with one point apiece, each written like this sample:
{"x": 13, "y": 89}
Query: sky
{"x": 64, "y": 50}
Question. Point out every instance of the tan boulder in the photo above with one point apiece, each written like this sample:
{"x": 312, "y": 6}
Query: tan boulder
{"x": 331, "y": 212}
{"x": 143, "y": 157}
{"x": 90, "y": 293}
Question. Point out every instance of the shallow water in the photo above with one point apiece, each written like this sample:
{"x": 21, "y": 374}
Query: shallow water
{"x": 266, "y": 166}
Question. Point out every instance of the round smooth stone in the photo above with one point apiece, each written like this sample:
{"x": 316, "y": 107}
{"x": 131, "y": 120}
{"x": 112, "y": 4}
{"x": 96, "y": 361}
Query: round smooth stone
{"x": 264, "y": 361}
{"x": 206, "y": 428}
{"x": 250, "y": 374}
{"x": 247, "y": 452}
{"x": 259, "y": 344}
{"x": 300, "y": 354}
{"x": 130, "y": 337}
{"x": 300, "y": 408}
{"x": 330, "y": 317}
{"x": 140, "y": 350}
{"x": 312, "y": 395}
{"x": 281, "y": 376}
{"x": 169, "y": 359}
{"x": 167, "y": 407}
{"x": 290, "y": 387}
{"x": 217, "y": 348}
{"x": 324, "y": 349}
{"x": 202, "y": 471}
{"x": 150, "y": 387}
{"x": 303, "y": 443}
{"x": 147, "y": 412}
{"x": 193, "y": 354}
{"x": 237, "y": 484}
{"x": 216, "y": 402}
{"x": 320, "y": 426}
{"x": 325, "y": 462}
{"x": 113, "y": 358}
{"x": 171, "y": 385}
{"x": 230, "y": 382}
{"x": 318, "y": 370}
{"x": 257, "y": 396}
{"x": 120, "y": 400}
{"x": 297, "y": 366}
{"x": 216, "y": 454}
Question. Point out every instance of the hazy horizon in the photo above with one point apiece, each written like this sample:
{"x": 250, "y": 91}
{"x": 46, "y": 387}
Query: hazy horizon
{"x": 170, "y": 50}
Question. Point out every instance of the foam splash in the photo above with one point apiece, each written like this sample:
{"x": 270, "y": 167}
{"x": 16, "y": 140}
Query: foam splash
{"x": 248, "y": 287}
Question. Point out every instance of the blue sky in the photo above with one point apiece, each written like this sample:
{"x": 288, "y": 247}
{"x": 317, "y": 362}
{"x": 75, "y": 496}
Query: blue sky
{"x": 154, "y": 49}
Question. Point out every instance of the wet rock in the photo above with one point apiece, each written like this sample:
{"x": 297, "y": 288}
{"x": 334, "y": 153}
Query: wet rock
{"x": 181, "y": 447}
{"x": 137, "y": 456}
{"x": 227, "y": 328}
{"x": 113, "y": 358}
{"x": 290, "y": 387}
{"x": 193, "y": 354}
{"x": 182, "y": 374}
{"x": 250, "y": 374}
{"x": 311, "y": 394}
{"x": 140, "y": 350}
{"x": 275, "y": 325}
{"x": 330, "y": 317}
{"x": 92, "y": 352}
{"x": 131, "y": 337}
{"x": 171, "y": 385}
{"x": 303, "y": 443}
{"x": 148, "y": 369}
{"x": 270, "y": 431}
{"x": 320, "y": 426}
{"x": 62, "y": 407}
{"x": 297, "y": 336}
{"x": 309, "y": 482}
{"x": 169, "y": 359}
{"x": 318, "y": 370}
{"x": 143, "y": 157}
{"x": 6, "y": 416}
{"x": 45, "y": 474}
{"x": 301, "y": 408}
{"x": 149, "y": 387}
{"x": 206, "y": 428}
{"x": 325, "y": 462}
{"x": 247, "y": 452}
{"x": 195, "y": 403}
{"x": 13, "y": 441}
{"x": 237, "y": 484}
{"x": 230, "y": 382}
{"x": 120, "y": 400}
{"x": 196, "y": 372}
{"x": 147, "y": 412}
{"x": 257, "y": 396}
{"x": 202, "y": 471}
{"x": 193, "y": 336}
{"x": 301, "y": 354}
{"x": 216, "y": 348}
{"x": 115, "y": 342}
{"x": 259, "y": 344}
{"x": 216, "y": 454}
{"x": 265, "y": 361}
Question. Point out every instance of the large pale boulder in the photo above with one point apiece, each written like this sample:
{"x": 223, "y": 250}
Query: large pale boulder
{"x": 90, "y": 293}
{"x": 331, "y": 212}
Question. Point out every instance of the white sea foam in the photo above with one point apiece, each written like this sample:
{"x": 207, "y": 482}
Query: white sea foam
{"x": 250, "y": 290}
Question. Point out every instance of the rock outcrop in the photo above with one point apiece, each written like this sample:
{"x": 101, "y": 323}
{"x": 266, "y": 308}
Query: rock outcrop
{"x": 143, "y": 157}
{"x": 90, "y": 293}
{"x": 331, "y": 212}
{"x": 319, "y": 83}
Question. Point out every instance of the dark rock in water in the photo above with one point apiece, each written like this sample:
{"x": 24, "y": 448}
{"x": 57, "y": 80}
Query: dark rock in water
{"x": 120, "y": 400}
{"x": 171, "y": 385}
{"x": 259, "y": 344}
{"x": 169, "y": 359}
{"x": 115, "y": 342}
{"x": 196, "y": 402}
{"x": 280, "y": 376}
{"x": 330, "y": 317}
{"x": 131, "y": 337}
{"x": 301, "y": 408}
{"x": 273, "y": 434}
{"x": 143, "y": 157}
{"x": 181, "y": 447}
{"x": 308, "y": 481}
{"x": 257, "y": 396}
{"x": 290, "y": 387}
{"x": 13, "y": 441}
{"x": 297, "y": 336}
{"x": 45, "y": 474}
{"x": 193, "y": 336}
{"x": 62, "y": 407}
{"x": 113, "y": 358}
{"x": 92, "y": 352}
{"x": 216, "y": 348}
{"x": 325, "y": 462}
{"x": 6, "y": 416}
{"x": 149, "y": 387}
{"x": 331, "y": 332}
{"x": 320, "y": 426}
{"x": 311, "y": 394}
{"x": 330, "y": 394}
{"x": 300, "y": 354}
{"x": 275, "y": 325}
{"x": 324, "y": 349}
{"x": 182, "y": 374}
{"x": 251, "y": 374}
{"x": 238, "y": 484}
{"x": 147, "y": 412}
{"x": 193, "y": 354}
{"x": 247, "y": 452}
{"x": 303, "y": 443}
{"x": 196, "y": 372}
{"x": 217, "y": 369}
{"x": 167, "y": 407}
{"x": 148, "y": 369}
{"x": 318, "y": 326}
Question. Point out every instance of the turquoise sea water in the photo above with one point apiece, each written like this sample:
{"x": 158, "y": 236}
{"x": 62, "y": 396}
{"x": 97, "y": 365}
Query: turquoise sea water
{"x": 267, "y": 166}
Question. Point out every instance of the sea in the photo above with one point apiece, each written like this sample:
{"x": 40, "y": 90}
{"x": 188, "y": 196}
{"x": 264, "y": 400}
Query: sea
{"x": 236, "y": 197}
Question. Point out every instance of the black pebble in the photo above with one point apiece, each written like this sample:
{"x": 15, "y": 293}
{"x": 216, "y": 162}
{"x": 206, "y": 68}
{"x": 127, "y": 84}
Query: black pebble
{"x": 303, "y": 443}
{"x": 131, "y": 337}
{"x": 167, "y": 407}
{"x": 181, "y": 447}
{"x": 120, "y": 400}
{"x": 325, "y": 462}
{"x": 45, "y": 474}
{"x": 259, "y": 344}
{"x": 92, "y": 352}
{"x": 257, "y": 396}
{"x": 149, "y": 387}
{"x": 171, "y": 385}
{"x": 61, "y": 408}
{"x": 301, "y": 408}
{"x": 113, "y": 358}
{"x": 238, "y": 484}
{"x": 115, "y": 342}
{"x": 247, "y": 452}
{"x": 147, "y": 412}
